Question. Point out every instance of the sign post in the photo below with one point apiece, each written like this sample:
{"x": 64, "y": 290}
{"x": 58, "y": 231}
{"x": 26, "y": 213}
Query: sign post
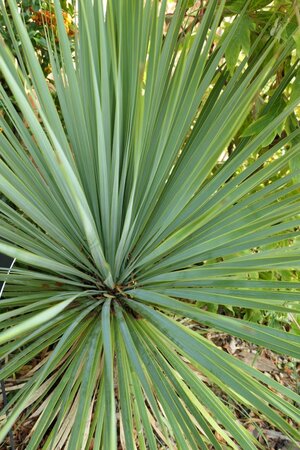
{"x": 6, "y": 263}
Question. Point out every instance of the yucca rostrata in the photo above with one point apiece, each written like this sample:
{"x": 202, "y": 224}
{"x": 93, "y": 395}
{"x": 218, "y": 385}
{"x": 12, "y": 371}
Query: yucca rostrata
{"x": 121, "y": 225}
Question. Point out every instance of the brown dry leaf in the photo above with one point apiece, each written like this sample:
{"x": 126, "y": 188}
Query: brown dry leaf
{"x": 39, "y": 392}
{"x": 261, "y": 362}
{"x": 89, "y": 421}
{"x": 63, "y": 434}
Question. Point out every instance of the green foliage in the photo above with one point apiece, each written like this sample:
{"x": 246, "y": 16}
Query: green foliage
{"x": 125, "y": 218}
{"x": 237, "y": 5}
{"x": 297, "y": 41}
{"x": 240, "y": 42}
{"x": 36, "y": 16}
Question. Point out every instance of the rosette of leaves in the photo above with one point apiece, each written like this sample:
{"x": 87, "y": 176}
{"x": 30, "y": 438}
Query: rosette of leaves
{"x": 121, "y": 227}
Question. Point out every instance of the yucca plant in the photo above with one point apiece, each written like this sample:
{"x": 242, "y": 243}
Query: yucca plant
{"x": 123, "y": 221}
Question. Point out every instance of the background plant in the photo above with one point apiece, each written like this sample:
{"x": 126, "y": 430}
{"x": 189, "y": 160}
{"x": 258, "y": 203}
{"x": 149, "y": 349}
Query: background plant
{"x": 36, "y": 15}
{"x": 125, "y": 217}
